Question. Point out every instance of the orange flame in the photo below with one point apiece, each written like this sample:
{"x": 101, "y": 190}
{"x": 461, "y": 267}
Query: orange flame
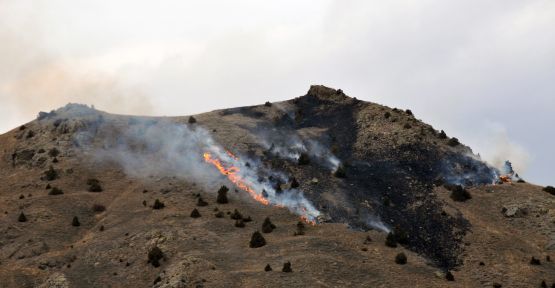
{"x": 232, "y": 175}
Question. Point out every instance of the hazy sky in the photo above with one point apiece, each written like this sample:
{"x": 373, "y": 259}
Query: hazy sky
{"x": 484, "y": 71}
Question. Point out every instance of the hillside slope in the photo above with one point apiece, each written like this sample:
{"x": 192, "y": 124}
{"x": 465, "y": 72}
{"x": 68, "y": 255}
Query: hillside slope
{"x": 357, "y": 169}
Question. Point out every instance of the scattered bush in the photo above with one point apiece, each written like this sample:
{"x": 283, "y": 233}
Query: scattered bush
{"x": 247, "y": 219}
{"x": 101, "y": 228}
{"x": 222, "y": 195}
{"x": 387, "y": 115}
{"x": 236, "y": 215}
{"x": 408, "y": 112}
{"x": 449, "y": 276}
{"x": 549, "y": 189}
{"x": 75, "y": 222}
{"x": 192, "y": 120}
{"x": 30, "y": 134}
{"x": 56, "y": 191}
{"x": 340, "y": 172}
{"x": 239, "y": 223}
{"x": 453, "y": 142}
{"x": 54, "y": 152}
{"x": 55, "y": 160}
{"x": 268, "y": 226}
{"x": 201, "y": 202}
{"x": 195, "y": 213}
{"x": 98, "y": 208}
{"x": 155, "y": 254}
{"x": 94, "y": 185}
{"x": 21, "y": 196}
{"x": 401, "y": 259}
{"x": 294, "y": 183}
{"x": 268, "y": 268}
{"x": 47, "y": 186}
{"x": 300, "y": 229}
{"x": 158, "y": 205}
{"x": 442, "y": 135}
{"x": 257, "y": 240}
{"x": 535, "y": 261}
{"x": 219, "y": 214}
{"x": 268, "y": 104}
{"x": 401, "y": 236}
{"x": 51, "y": 174}
{"x": 22, "y": 127}
{"x": 144, "y": 203}
{"x": 22, "y": 217}
{"x": 287, "y": 267}
{"x": 407, "y": 126}
{"x": 458, "y": 193}
{"x": 391, "y": 240}
{"x": 304, "y": 159}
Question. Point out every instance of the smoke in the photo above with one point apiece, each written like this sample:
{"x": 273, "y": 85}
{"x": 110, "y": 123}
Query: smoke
{"x": 504, "y": 149}
{"x": 156, "y": 147}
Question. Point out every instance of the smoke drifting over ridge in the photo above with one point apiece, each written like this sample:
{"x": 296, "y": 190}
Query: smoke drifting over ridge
{"x": 160, "y": 148}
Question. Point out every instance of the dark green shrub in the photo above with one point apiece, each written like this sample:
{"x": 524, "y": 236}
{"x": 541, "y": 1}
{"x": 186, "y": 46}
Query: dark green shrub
{"x": 195, "y": 213}
{"x": 535, "y": 261}
{"x": 300, "y": 229}
{"x": 98, "y": 208}
{"x": 401, "y": 259}
{"x": 236, "y": 215}
{"x": 257, "y": 240}
{"x": 408, "y": 112}
{"x": 287, "y": 267}
{"x": 268, "y": 104}
{"x": 387, "y": 115}
{"x": 56, "y": 191}
{"x": 30, "y": 134}
{"x": 54, "y": 152}
{"x": 22, "y": 217}
{"x": 51, "y": 174}
{"x": 222, "y": 195}
{"x": 247, "y": 219}
{"x": 155, "y": 254}
{"x": 549, "y": 189}
{"x": 192, "y": 120}
{"x": 453, "y": 142}
{"x": 303, "y": 159}
{"x": 340, "y": 172}
{"x": 239, "y": 223}
{"x": 449, "y": 276}
{"x": 294, "y": 183}
{"x": 75, "y": 222}
{"x": 458, "y": 193}
{"x": 407, "y": 126}
{"x": 220, "y": 214}
{"x": 201, "y": 202}
{"x": 442, "y": 135}
{"x": 94, "y": 185}
{"x": 268, "y": 268}
{"x": 268, "y": 226}
{"x": 158, "y": 205}
{"x": 391, "y": 240}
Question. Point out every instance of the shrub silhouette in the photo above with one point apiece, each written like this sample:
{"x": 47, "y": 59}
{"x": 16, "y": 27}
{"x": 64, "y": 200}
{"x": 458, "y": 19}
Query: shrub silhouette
{"x": 247, "y": 219}
{"x": 387, "y": 115}
{"x": 340, "y": 172}
{"x": 192, "y": 120}
{"x": 449, "y": 276}
{"x": 98, "y": 208}
{"x": 75, "y": 222}
{"x": 300, "y": 229}
{"x": 195, "y": 213}
{"x": 442, "y": 135}
{"x": 408, "y": 112}
{"x": 535, "y": 261}
{"x": 222, "y": 195}
{"x": 94, "y": 185}
{"x": 391, "y": 240}
{"x": 236, "y": 215}
{"x": 401, "y": 259}
{"x": 201, "y": 202}
{"x": 294, "y": 183}
{"x": 155, "y": 254}
{"x": 144, "y": 203}
{"x": 22, "y": 217}
{"x": 401, "y": 236}
{"x": 158, "y": 205}
{"x": 257, "y": 240}
{"x": 268, "y": 226}
{"x": 56, "y": 191}
{"x": 549, "y": 189}
{"x": 47, "y": 186}
{"x": 268, "y": 104}
{"x": 239, "y": 223}
{"x": 51, "y": 174}
{"x": 287, "y": 267}
{"x": 30, "y": 134}
{"x": 458, "y": 193}
{"x": 453, "y": 142}
{"x": 268, "y": 268}
{"x": 303, "y": 159}
{"x": 54, "y": 152}
{"x": 407, "y": 126}
{"x": 220, "y": 214}
{"x": 101, "y": 228}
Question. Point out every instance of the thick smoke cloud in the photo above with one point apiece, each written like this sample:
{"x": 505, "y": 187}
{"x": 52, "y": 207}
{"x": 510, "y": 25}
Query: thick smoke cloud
{"x": 456, "y": 65}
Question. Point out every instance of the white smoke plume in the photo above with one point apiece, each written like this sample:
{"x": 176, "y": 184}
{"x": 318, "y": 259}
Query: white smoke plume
{"x": 148, "y": 147}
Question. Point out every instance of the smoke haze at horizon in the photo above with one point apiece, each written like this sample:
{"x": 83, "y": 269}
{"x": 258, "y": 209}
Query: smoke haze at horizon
{"x": 481, "y": 71}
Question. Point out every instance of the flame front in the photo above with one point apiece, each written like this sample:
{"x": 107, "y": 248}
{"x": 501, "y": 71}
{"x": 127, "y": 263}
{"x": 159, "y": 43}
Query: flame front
{"x": 233, "y": 176}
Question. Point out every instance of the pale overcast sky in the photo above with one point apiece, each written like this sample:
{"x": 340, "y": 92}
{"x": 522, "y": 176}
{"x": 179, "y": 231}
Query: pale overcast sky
{"x": 484, "y": 71}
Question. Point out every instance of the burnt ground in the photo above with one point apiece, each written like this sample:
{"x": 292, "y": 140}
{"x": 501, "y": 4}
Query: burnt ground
{"x": 394, "y": 165}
